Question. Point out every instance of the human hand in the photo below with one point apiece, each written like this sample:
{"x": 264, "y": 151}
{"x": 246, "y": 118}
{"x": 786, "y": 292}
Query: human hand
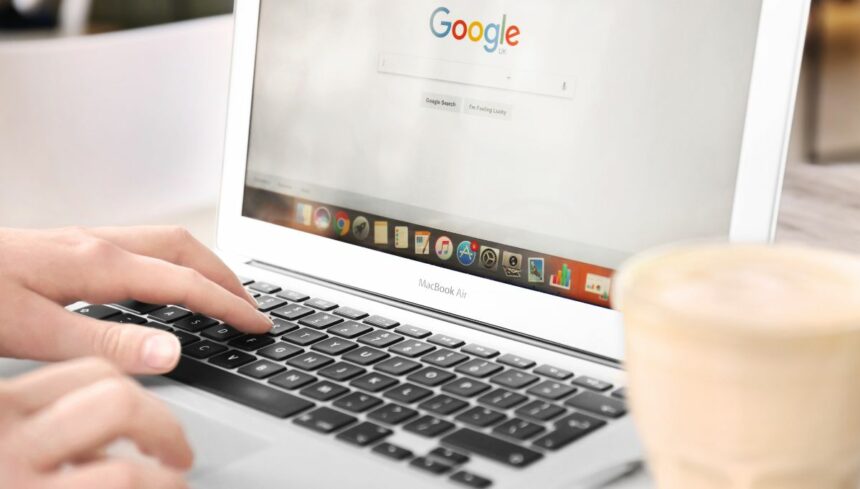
{"x": 40, "y": 271}
{"x": 56, "y": 422}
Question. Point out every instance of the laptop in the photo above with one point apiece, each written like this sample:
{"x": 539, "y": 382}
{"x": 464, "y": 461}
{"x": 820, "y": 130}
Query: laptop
{"x": 430, "y": 198}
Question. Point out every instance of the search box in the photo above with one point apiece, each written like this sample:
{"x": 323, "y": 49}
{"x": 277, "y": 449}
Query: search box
{"x": 475, "y": 75}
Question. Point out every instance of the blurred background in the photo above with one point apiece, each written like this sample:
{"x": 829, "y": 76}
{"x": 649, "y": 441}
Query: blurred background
{"x": 113, "y": 112}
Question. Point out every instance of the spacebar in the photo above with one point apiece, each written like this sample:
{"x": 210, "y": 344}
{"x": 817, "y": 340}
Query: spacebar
{"x": 491, "y": 447}
{"x": 237, "y": 388}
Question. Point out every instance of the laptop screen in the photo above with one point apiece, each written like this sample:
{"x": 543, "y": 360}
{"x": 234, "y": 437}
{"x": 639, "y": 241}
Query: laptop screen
{"x": 534, "y": 143}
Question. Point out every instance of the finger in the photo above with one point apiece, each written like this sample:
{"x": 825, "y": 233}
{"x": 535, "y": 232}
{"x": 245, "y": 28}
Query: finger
{"x": 94, "y": 416}
{"x": 123, "y": 275}
{"x": 37, "y": 389}
{"x": 53, "y": 333}
{"x": 117, "y": 474}
{"x": 178, "y": 246}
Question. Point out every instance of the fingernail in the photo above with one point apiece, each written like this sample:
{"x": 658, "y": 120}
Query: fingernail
{"x": 160, "y": 352}
{"x": 250, "y": 299}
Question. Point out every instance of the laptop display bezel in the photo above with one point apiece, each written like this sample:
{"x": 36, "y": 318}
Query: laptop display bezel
{"x": 584, "y": 327}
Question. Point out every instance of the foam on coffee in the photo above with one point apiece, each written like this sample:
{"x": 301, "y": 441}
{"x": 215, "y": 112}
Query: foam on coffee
{"x": 747, "y": 286}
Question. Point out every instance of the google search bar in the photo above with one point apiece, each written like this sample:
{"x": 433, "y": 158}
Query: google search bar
{"x": 475, "y": 75}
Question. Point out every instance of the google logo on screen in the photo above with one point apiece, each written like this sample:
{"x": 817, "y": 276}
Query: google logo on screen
{"x": 493, "y": 35}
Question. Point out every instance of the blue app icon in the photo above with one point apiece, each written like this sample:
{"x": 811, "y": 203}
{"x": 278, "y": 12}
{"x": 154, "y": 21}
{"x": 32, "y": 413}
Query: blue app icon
{"x": 466, "y": 254}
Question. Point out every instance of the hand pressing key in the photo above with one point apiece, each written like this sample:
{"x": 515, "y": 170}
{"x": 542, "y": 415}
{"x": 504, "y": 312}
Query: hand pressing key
{"x": 41, "y": 271}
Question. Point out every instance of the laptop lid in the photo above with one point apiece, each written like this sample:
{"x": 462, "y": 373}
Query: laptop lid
{"x": 498, "y": 160}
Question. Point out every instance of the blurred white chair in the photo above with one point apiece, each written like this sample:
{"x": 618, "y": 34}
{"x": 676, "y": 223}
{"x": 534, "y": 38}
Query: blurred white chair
{"x": 113, "y": 128}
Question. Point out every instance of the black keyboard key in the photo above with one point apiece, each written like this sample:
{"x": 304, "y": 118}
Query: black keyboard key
{"x": 518, "y": 429}
{"x": 321, "y": 304}
{"x": 266, "y": 303}
{"x": 320, "y": 320}
{"x": 292, "y": 295}
{"x": 491, "y": 447}
{"x": 393, "y": 452}
{"x": 310, "y": 361}
{"x": 334, "y": 346}
{"x": 279, "y": 351}
{"x": 261, "y": 369}
{"x": 195, "y": 323}
{"x": 392, "y": 414}
{"x": 407, "y": 393}
{"x": 239, "y": 389}
{"x": 324, "y": 391}
{"x": 203, "y": 349}
{"x": 465, "y": 387}
{"x": 264, "y": 287}
{"x": 157, "y": 325}
{"x": 127, "y": 318}
{"x": 169, "y": 314}
{"x": 221, "y": 332}
{"x": 380, "y": 339}
{"x": 539, "y": 410}
{"x": 553, "y": 372}
{"x": 304, "y": 336}
{"x": 430, "y": 376}
{"x": 598, "y": 404}
{"x": 552, "y": 390}
{"x": 364, "y": 434}
{"x": 413, "y": 331}
{"x": 324, "y": 420}
{"x": 443, "y": 405}
{"x": 568, "y": 429}
{"x": 97, "y": 311}
{"x": 140, "y": 307}
{"x": 515, "y": 361}
{"x": 446, "y": 341}
{"x": 514, "y": 379}
{"x": 444, "y": 358}
{"x": 480, "y": 417}
{"x": 412, "y": 348}
{"x": 349, "y": 329}
{"x": 429, "y": 465}
{"x": 292, "y": 379}
{"x": 291, "y": 312}
{"x": 341, "y": 371}
{"x": 232, "y": 359}
{"x": 281, "y": 326}
{"x": 428, "y": 426}
{"x": 449, "y": 457}
{"x": 251, "y": 342}
{"x": 350, "y": 313}
{"x": 357, "y": 402}
{"x": 502, "y": 399}
{"x": 580, "y": 421}
{"x": 480, "y": 351}
{"x": 245, "y": 280}
{"x": 478, "y": 368}
{"x": 381, "y": 322}
{"x": 620, "y": 393}
{"x": 592, "y": 383}
{"x": 397, "y": 366}
{"x": 469, "y": 479}
{"x": 373, "y": 382}
{"x": 185, "y": 338}
{"x": 365, "y": 355}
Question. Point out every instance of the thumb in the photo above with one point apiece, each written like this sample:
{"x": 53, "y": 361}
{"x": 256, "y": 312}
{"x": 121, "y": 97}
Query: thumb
{"x": 133, "y": 349}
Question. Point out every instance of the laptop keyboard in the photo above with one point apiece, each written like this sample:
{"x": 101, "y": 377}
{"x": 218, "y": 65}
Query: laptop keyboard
{"x": 338, "y": 370}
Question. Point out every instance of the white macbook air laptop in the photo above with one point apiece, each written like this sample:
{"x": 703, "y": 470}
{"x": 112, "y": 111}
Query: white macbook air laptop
{"x": 430, "y": 198}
